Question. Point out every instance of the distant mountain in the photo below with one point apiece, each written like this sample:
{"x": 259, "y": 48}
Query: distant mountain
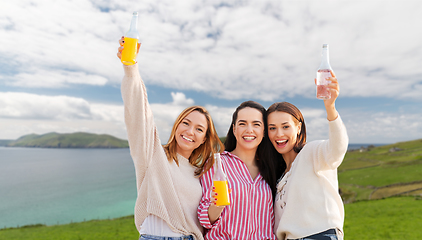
{"x": 5, "y": 142}
{"x": 68, "y": 140}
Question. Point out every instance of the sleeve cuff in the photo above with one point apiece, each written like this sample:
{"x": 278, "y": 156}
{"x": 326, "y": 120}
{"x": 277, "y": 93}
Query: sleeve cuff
{"x": 130, "y": 70}
{"x": 205, "y": 220}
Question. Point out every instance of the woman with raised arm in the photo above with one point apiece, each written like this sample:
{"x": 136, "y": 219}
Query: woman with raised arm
{"x": 167, "y": 177}
{"x": 308, "y": 204}
{"x": 250, "y": 213}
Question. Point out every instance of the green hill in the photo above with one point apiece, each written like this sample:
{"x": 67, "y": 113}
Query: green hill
{"x": 5, "y": 142}
{"x": 69, "y": 140}
{"x": 380, "y": 172}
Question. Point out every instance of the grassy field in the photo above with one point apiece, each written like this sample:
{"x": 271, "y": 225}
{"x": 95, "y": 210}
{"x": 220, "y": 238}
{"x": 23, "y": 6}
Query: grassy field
{"x": 391, "y": 218}
{"x": 382, "y": 189}
{"x": 380, "y": 172}
{"x": 115, "y": 229}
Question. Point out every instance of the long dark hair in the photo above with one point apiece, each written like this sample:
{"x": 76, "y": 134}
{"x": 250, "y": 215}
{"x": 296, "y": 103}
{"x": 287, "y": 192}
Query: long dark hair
{"x": 301, "y": 139}
{"x": 265, "y": 158}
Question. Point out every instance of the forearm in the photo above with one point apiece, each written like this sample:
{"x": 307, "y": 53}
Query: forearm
{"x": 214, "y": 213}
{"x": 332, "y": 113}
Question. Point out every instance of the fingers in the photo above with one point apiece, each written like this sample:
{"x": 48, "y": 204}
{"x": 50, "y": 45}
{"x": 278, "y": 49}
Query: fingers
{"x": 213, "y": 197}
{"x": 120, "y": 49}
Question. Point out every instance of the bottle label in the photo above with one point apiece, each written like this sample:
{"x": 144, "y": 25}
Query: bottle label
{"x": 130, "y": 48}
{"x": 222, "y": 190}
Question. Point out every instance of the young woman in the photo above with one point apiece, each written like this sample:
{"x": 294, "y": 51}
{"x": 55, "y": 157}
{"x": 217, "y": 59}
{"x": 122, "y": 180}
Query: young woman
{"x": 167, "y": 180}
{"x": 308, "y": 204}
{"x": 250, "y": 213}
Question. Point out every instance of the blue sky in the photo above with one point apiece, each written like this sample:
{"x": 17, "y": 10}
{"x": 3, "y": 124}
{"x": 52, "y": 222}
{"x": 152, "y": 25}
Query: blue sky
{"x": 59, "y": 71}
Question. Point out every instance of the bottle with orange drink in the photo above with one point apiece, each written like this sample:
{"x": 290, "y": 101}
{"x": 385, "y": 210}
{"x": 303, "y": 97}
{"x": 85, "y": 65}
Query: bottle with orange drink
{"x": 130, "y": 46}
{"x": 220, "y": 183}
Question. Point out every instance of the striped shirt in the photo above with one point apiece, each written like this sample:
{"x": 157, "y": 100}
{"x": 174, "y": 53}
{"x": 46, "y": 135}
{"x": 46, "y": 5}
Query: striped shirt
{"x": 250, "y": 213}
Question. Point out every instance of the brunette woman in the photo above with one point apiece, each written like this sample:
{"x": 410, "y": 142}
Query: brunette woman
{"x": 250, "y": 213}
{"x": 308, "y": 204}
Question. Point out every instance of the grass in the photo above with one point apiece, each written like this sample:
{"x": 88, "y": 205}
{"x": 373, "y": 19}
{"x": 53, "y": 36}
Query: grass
{"x": 391, "y": 218}
{"x": 383, "y": 175}
{"x": 115, "y": 229}
{"x": 379, "y": 172}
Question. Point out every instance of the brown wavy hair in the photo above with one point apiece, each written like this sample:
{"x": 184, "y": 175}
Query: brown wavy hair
{"x": 201, "y": 157}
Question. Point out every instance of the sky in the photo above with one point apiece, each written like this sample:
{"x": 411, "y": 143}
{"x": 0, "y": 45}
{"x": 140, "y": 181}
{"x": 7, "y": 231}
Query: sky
{"x": 59, "y": 71}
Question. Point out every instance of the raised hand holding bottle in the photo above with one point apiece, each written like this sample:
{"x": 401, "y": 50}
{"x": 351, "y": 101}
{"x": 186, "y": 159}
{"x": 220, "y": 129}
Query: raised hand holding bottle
{"x": 324, "y": 72}
{"x": 130, "y": 46}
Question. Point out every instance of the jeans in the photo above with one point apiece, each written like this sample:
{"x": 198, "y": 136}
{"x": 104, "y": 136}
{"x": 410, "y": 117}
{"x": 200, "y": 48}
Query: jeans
{"x": 330, "y": 234}
{"x": 152, "y": 237}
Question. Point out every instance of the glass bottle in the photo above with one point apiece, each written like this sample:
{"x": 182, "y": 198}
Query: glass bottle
{"x": 130, "y": 46}
{"x": 324, "y": 72}
{"x": 220, "y": 183}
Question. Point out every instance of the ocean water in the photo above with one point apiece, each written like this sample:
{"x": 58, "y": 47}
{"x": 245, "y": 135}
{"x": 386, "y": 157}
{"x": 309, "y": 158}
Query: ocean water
{"x": 354, "y": 146}
{"x": 58, "y": 186}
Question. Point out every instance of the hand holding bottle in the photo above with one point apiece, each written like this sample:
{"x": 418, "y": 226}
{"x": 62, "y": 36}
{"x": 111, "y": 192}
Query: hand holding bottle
{"x": 323, "y": 73}
{"x": 131, "y": 44}
{"x": 120, "y": 49}
{"x": 220, "y": 196}
{"x": 333, "y": 88}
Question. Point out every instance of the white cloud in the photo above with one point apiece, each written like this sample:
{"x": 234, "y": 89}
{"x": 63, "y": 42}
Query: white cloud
{"x": 231, "y": 49}
{"x": 263, "y": 50}
{"x": 23, "y": 113}
{"x": 32, "y": 106}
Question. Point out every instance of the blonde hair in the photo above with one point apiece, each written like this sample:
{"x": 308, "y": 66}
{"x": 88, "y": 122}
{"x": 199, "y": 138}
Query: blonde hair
{"x": 205, "y": 151}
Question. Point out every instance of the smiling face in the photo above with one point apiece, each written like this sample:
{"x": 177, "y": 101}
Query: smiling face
{"x": 248, "y": 129}
{"x": 283, "y": 130}
{"x": 191, "y": 133}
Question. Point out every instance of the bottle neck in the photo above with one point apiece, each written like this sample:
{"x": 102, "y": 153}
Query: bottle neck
{"x": 133, "y": 30}
{"x": 325, "y": 61}
{"x": 134, "y": 23}
{"x": 219, "y": 174}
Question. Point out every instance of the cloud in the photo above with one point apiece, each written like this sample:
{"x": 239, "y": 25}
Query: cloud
{"x": 235, "y": 50}
{"x": 39, "y": 78}
{"x": 227, "y": 49}
{"x": 17, "y": 105}
{"x": 24, "y": 113}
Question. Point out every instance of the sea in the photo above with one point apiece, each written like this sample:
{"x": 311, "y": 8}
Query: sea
{"x": 53, "y": 186}
{"x": 58, "y": 186}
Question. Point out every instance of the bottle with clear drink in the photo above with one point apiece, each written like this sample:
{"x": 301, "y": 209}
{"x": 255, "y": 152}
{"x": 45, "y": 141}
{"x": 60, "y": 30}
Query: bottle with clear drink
{"x": 130, "y": 46}
{"x": 324, "y": 72}
{"x": 220, "y": 183}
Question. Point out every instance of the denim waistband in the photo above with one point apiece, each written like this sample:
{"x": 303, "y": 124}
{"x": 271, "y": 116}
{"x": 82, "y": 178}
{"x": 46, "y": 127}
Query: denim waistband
{"x": 152, "y": 237}
{"x": 329, "y": 234}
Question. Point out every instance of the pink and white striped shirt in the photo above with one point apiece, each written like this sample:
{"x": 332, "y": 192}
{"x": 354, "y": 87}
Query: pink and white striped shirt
{"x": 250, "y": 213}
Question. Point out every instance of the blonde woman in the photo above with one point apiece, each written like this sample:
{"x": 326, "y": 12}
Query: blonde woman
{"x": 167, "y": 176}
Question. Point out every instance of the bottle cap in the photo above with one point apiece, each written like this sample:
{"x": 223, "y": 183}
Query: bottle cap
{"x": 135, "y": 13}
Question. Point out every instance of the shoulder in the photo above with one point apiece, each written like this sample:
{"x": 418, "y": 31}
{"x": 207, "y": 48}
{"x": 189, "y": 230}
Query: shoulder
{"x": 310, "y": 146}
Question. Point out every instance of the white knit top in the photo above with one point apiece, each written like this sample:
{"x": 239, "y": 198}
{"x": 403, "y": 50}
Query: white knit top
{"x": 165, "y": 190}
{"x": 308, "y": 199}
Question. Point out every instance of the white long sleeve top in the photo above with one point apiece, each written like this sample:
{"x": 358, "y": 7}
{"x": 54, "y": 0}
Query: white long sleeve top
{"x": 308, "y": 200}
{"x": 165, "y": 190}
